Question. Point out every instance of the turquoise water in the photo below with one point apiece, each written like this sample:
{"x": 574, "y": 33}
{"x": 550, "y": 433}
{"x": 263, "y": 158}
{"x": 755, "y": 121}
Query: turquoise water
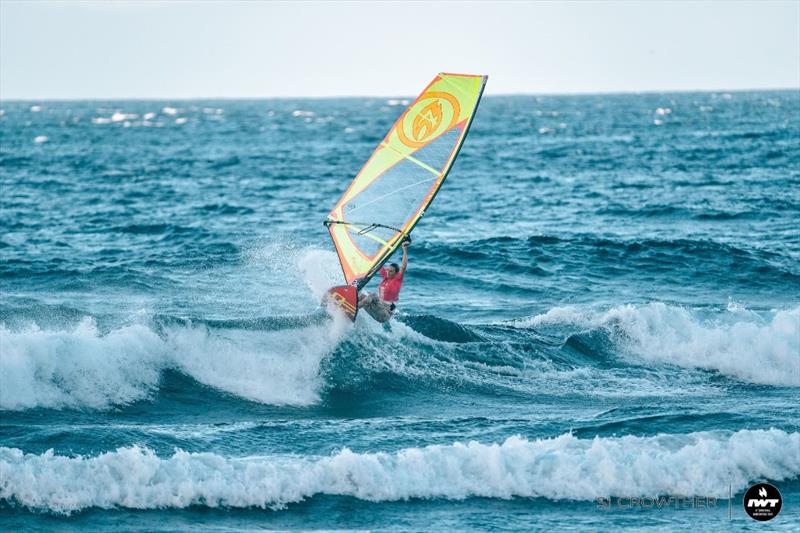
{"x": 602, "y": 304}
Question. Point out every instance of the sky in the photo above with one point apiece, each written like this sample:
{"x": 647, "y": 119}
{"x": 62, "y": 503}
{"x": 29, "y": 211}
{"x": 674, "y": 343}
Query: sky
{"x": 207, "y": 49}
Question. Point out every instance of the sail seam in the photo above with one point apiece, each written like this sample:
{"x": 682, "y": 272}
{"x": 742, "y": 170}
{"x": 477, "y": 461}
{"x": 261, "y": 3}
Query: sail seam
{"x": 390, "y": 193}
{"x": 412, "y": 159}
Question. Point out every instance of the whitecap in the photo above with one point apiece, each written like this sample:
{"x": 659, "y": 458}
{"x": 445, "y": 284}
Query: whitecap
{"x": 81, "y": 367}
{"x": 565, "y": 467}
{"x": 741, "y": 345}
{"x": 118, "y": 116}
{"x": 78, "y": 367}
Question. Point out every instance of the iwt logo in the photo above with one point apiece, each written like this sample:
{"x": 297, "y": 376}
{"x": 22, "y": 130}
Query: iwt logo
{"x": 762, "y": 502}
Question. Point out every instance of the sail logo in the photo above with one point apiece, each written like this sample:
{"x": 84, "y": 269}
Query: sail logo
{"x": 762, "y": 502}
{"x": 427, "y": 121}
{"x": 341, "y": 301}
{"x": 431, "y": 115}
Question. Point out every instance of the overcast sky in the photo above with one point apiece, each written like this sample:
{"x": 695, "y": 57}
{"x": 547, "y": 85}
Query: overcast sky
{"x": 124, "y": 49}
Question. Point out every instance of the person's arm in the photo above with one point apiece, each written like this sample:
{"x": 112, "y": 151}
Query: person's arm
{"x": 405, "y": 258}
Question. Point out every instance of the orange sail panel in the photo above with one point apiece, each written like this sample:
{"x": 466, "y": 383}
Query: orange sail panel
{"x": 390, "y": 194}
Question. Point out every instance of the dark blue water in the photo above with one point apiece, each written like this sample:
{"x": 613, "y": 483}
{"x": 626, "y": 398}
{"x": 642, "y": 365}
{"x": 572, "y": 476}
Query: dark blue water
{"x": 602, "y": 302}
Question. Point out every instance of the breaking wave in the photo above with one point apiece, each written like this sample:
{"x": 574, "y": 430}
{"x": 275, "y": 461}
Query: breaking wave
{"x": 81, "y": 367}
{"x": 560, "y": 468}
{"x": 741, "y": 344}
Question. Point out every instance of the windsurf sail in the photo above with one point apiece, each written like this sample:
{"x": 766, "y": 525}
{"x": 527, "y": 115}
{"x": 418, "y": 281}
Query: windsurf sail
{"x": 399, "y": 181}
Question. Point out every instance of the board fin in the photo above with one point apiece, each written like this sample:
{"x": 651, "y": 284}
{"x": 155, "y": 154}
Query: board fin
{"x": 345, "y": 297}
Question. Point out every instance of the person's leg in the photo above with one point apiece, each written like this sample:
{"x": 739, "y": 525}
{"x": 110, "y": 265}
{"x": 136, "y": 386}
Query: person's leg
{"x": 385, "y": 312}
{"x": 366, "y": 298}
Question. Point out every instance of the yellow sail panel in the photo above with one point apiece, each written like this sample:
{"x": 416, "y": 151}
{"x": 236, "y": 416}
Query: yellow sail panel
{"x": 391, "y": 192}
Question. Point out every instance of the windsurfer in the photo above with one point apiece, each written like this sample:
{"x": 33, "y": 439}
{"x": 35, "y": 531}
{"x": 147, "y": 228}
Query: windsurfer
{"x": 381, "y": 305}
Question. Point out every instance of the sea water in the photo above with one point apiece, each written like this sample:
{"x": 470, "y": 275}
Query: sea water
{"x": 599, "y": 327}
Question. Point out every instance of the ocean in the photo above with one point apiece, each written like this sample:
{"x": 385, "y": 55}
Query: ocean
{"x": 599, "y": 328}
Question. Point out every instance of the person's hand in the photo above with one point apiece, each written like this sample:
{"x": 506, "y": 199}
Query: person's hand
{"x": 405, "y": 244}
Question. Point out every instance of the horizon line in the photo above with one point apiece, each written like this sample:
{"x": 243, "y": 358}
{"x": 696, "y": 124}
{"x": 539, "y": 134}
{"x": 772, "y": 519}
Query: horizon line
{"x": 332, "y": 97}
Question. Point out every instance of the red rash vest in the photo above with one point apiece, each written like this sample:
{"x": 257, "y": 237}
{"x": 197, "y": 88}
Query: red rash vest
{"x": 389, "y": 289}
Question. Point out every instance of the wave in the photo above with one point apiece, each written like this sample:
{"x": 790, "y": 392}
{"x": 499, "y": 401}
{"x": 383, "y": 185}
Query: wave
{"x": 274, "y": 360}
{"x": 560, "y": 468}
{"x": 274, "y": 367}
{"x": 82, "y": 367}
{"x": 507, "y": 362}
{"x": 741, "y": 344}
{"x": 300, "y": 360}
{"x": 440, "y": 329}
{"x": 78, "y": 367}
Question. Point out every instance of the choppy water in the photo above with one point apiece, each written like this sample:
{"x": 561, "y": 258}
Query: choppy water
{"x": 603, "y": 302}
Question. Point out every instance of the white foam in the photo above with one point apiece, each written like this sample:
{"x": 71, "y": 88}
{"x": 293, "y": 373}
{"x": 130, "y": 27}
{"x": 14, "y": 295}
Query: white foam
{"x": 39, "y": 139}
{"x": 564, "y": 467}
{"x": 118, "y": 116}
{"x": 273, "y": 367}
{"x": 35, "y": 108}
{"x": 181, "y": 120}
{"x": 739, "y": 344}
{"x": 80, "y": 367}
{"x": 169, "y": 110}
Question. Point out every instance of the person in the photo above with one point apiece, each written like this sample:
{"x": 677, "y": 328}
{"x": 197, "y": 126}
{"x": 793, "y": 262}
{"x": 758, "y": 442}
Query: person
{"x": 381, "y": 305}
